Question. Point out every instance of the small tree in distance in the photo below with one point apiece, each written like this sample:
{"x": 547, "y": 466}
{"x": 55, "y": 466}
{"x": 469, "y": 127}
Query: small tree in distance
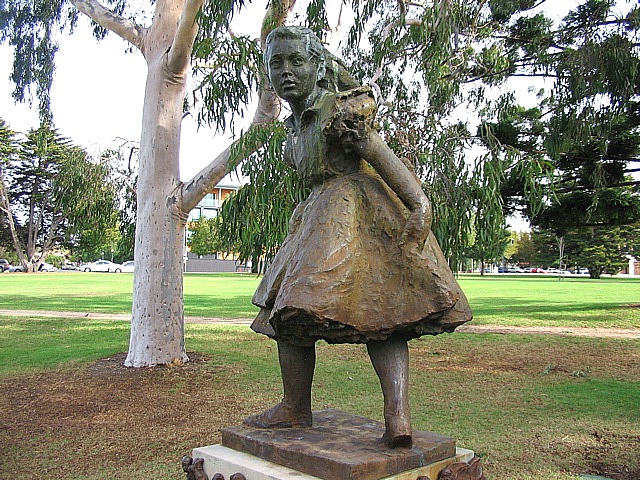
{"x": 57, "y": 189}
{"x": 524, "y": 249}
{"x": 204, "y": 238}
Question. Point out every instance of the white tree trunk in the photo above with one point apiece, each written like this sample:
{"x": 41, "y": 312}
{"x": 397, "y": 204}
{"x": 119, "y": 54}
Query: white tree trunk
{"x": 157, "y": 328}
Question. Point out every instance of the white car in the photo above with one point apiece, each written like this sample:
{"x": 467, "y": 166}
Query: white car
{"x": 44, "y": 267}
{"x": 128, "y": 266}
{"x": 47, "y": 267}
{"x": 102, "y": 266}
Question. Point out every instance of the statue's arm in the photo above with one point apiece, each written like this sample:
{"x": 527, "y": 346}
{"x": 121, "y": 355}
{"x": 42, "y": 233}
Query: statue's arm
{"x": 401, "y": 180}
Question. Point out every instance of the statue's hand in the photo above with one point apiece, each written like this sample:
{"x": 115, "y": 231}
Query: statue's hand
{"x": 417, "y": 228}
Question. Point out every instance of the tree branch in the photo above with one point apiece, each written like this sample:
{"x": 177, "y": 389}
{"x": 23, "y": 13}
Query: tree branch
{"x": 495, "y": 74}
{"x": 587, "y": 188}
{"x": 208, "y": 177}
{"x": 180, "y": 52}
{"x": 128, "y": 30}
{"x": 385, "y": 34}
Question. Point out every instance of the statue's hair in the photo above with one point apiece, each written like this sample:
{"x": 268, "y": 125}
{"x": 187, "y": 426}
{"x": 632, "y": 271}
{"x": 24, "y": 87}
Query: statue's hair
{"x": 314, "y": 46}
{"x": 332, "y": 73}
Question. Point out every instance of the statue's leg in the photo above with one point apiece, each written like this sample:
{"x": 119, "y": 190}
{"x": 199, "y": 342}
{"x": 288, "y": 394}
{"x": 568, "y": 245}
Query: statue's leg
{"x": 297, "y": 365}
{"x": 390, "y": 359}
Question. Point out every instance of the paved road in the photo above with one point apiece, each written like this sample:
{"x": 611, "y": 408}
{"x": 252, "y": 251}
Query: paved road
{"x": 578, "y": 332}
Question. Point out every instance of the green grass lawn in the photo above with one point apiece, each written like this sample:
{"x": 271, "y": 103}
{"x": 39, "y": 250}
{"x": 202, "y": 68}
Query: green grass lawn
{"x": 504, "y": 300}
{"x": 548, "y": 301}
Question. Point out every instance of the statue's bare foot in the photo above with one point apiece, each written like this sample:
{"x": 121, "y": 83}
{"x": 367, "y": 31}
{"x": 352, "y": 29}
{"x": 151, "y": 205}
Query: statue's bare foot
{"x": 397, "y": 432}
{"x": 280, "y": 416}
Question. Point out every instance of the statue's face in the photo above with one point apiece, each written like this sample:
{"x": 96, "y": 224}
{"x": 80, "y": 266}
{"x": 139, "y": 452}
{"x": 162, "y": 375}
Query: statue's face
{"x": 292, "y": 72}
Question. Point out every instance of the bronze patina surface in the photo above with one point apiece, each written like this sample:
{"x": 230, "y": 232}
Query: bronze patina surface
{"x": 339, "y": 446}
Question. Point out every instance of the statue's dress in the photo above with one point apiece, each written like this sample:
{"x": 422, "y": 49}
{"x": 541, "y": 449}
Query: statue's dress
{"x": 341, "y": 274}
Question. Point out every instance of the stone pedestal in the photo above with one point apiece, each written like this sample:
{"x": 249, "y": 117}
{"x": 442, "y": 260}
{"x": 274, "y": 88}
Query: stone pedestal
{"x": 339, "y": 446}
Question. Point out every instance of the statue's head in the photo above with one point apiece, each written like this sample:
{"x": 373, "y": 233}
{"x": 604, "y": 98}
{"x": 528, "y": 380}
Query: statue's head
{"x": 330, "y": 72}
{"x": 295, "y": 61}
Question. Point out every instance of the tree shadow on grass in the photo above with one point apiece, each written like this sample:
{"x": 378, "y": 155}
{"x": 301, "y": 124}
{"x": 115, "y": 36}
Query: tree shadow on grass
{"x": 70, "y": 302}
{"x": 591, "y": 313}
{"x": 238, "y": 306}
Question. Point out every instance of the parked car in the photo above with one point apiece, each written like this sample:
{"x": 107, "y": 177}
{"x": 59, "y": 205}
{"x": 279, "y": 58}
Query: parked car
{"x": 4, "y": 265}
{"x": 502, "y": 269}
{"x": 128, "y": 266}
{"x": 556, "y": 271}
{"x": 102, "y": 266}
{"x": 68, "y": 266}
{"x": 515, "y": 270}
{"x": 44, "y": 267}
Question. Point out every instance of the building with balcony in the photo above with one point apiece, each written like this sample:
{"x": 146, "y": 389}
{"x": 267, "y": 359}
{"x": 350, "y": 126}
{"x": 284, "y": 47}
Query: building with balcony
{"x": 211, "y": 203}
{"x": 209, "y": 207}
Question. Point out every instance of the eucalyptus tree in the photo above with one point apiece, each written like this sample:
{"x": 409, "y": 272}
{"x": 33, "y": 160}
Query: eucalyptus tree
{"x": 424, "y": 60}
{"x": 165, "y": 40}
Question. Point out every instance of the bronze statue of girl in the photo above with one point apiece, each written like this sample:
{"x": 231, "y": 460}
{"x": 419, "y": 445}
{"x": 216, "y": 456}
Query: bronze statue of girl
{"x": 360, "y": 264}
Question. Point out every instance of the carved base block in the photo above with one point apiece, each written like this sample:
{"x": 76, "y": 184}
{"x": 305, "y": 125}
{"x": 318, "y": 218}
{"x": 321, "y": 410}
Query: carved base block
{"x": 227, "y": 462}
{"x": 339, "y": 446}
